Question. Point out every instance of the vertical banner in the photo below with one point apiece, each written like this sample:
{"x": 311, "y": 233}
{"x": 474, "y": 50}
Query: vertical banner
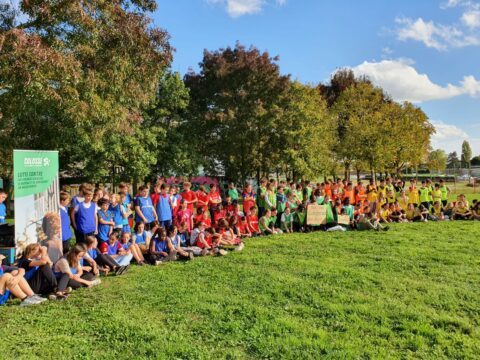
{"x": 37, "y": 199}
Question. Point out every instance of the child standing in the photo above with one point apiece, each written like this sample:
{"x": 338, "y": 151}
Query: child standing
{"x": 84, "y": 219}
{"x": 144, "y": 209}
{"x": 164, "y": 207}
{"x": 105, "y": 221}
{"x": 65, "y": 221}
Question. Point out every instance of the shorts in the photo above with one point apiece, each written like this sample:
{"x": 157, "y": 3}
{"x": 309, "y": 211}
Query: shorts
{"x": 4, "y": 297}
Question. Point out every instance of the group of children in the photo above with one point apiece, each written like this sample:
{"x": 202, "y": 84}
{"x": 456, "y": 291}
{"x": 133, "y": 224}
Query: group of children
{"x": 172, "y": 225}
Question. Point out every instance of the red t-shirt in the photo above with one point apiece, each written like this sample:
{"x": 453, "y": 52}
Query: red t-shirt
{"x": 219, "y": 214}
{"x": 208, "y": 240}
{"x": 184, "y": 216}
{"x": 253, "y": 223}
{"x": 155, "y": 197}
{"x": 214, "y": 196}
{"x": 202, "y": 197}
{"x": 104, "y": 247}
{"x": 247, "y": 204}
{"x": 189, "y": 196}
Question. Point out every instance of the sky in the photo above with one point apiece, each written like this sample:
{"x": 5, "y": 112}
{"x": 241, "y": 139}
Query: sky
{"x": 426, "y": 52}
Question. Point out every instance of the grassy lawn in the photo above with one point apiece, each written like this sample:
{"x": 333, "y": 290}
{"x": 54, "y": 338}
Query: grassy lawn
{"x": 412, "y": 292}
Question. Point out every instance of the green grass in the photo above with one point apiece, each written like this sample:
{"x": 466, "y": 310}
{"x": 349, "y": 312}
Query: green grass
{"x": 412, "y": 292}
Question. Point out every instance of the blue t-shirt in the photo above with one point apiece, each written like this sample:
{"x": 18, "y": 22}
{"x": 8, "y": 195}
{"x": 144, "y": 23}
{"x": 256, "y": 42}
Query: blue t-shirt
{"x": 93, "y": 253}
{"x": 161, "y": 246}
{"x": 65, "y": 221}
{"x": 6, "y": 294}
{"x": 3, "y": 213}
{"x": 141, "y": 239}
{"x": 85, "y": 217}
{"x": 146, "y": 206}
{"x": 103, "y": 229}
{"x": 164, "y": 208}
{"x": 117, "y": 215}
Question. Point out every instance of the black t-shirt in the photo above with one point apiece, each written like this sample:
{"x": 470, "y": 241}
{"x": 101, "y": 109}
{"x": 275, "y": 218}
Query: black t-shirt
{"x": 25, "y": 264}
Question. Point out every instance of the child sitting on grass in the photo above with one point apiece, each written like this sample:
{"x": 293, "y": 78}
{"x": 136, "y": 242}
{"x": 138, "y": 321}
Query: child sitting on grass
{"x": 132, "y": 248}
{"x": 113, "y": 248}
{"x": 69, "y": 270}
{"x": 38, "y": 270}
{"x": 14, "y": 284}
{"x": 104, "y": 262}
{"x": 159, "y": 251}
{"x": 174, "y": 244}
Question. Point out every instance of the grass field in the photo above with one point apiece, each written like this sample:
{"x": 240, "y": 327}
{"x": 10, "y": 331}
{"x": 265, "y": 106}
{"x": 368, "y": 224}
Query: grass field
{"x": 412, "y": 292}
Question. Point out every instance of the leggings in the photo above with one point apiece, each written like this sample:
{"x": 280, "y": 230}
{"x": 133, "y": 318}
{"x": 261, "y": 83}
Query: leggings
{"x": 106, "y": 260}
{"x": 44, "y": 281}
{"x": 151, "y": 258}
{"x": 65, "y": 281}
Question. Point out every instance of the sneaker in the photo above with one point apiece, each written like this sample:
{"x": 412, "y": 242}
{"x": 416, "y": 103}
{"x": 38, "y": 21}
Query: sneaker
{"x": 240, "y": 247}
{"x": 158, "y": 262}
{"x": 52, "y": 297}
{"x": 190, "y": 256}
{"x": 141, "y": 263}
{"x": 39, "y": 298}
{"x": 204, "y": 252}
{"x": 30, "y": 300}
{"x": 96, "y": 282}
{"x": 222, "y": 252}
{"x": 120, "y": 270}
{"x": 68, "y": 290}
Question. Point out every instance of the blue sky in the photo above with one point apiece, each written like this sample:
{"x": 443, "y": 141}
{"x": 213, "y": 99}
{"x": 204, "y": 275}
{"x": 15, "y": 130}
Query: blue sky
{"x": 424, "y": 51}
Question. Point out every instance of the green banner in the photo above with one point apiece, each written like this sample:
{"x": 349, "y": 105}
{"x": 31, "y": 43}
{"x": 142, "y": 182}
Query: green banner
{"x": 37, "y": 198}
{"x": 34, "y": 171}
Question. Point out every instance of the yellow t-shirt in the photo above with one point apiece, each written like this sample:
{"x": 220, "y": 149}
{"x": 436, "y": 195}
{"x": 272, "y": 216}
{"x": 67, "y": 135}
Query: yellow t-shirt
{"x": 403, "y": 203}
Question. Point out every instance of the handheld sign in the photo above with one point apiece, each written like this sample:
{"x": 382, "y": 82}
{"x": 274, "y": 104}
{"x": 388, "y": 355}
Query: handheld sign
{"x": 316, "y": 214}
{"x": 343, "y": 220}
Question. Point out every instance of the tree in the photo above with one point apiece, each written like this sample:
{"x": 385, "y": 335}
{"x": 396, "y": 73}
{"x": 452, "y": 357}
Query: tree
{"x": 308, "y": 133}
{"x": 408, "y": 136}
{"x": 453, "y": 162}
{"x": 466, "y": 154}
{"x": 475, "y": 161}
{"x": 76, "y": 77}
{"x": 437, "y": 160}
{"x": 359, "y": 113}
{"x": 174, "y": 151}
{"x": 237, "y": 102}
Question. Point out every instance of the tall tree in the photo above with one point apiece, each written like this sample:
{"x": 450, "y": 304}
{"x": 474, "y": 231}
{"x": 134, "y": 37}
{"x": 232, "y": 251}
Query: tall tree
{"x": 475, "y": 161}
{"x": 407, "y": 135}
{"x": 453, "y": 162}
{"x": 466, "y": 154}
{"x": 437, "y": 160}
{"x": 174, "y": 151}
{"x": 237, "y": 100}
{"x": 76, "y": 77}
{"x": 359, "y": 112}
{"x": 308, "y": 133}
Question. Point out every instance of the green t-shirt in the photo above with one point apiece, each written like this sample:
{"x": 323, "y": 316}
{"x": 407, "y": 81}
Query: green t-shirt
{"x": 300, "y": 217}
{"x": 286, "y": 220}
{"x": 424, "y": 194}
{"x": 261, "y": 197}
{"x": 263, "y": 220}
{"x": 444, "y": 191}
{"x": 350, "y": 211}
{"x": 233, "y": 193}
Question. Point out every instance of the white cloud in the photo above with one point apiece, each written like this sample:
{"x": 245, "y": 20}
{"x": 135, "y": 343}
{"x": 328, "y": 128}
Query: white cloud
{"x": 471, "y": 18}
{"x": 440, "y": 36}
{"x": 403, "y": 82}
{"x": 237, "y": 8}
{"x": 437, "y": 36}
{"x": 450, "y": 137}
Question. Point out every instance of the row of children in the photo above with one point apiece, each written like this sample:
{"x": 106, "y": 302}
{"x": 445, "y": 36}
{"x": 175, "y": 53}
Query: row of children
{"x": 170, "y": 226}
